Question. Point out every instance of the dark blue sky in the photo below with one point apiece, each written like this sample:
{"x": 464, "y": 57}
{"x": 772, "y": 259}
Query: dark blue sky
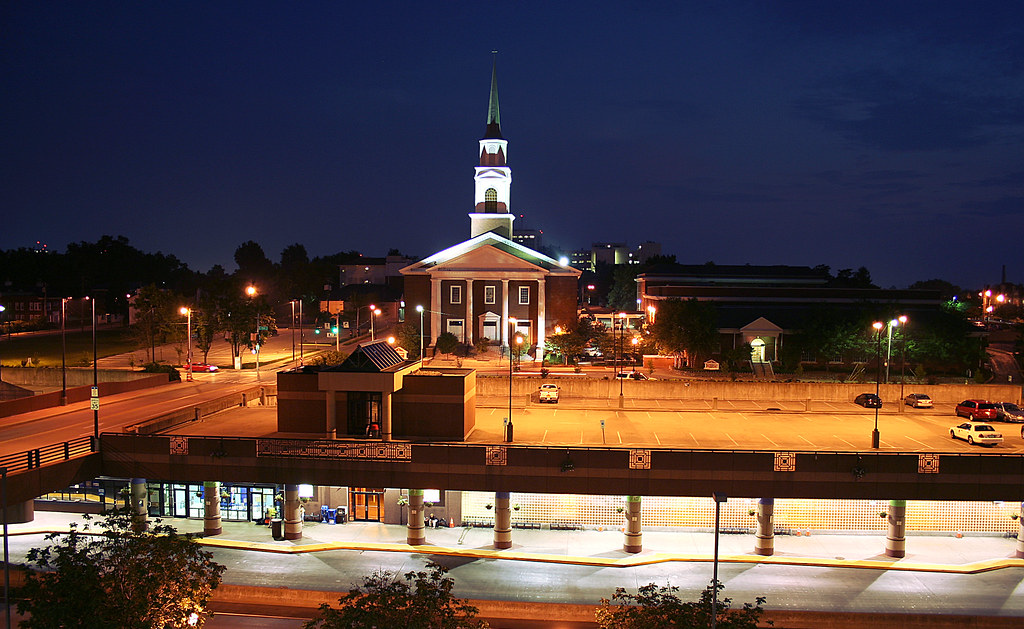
{"x": 878, "y": 134}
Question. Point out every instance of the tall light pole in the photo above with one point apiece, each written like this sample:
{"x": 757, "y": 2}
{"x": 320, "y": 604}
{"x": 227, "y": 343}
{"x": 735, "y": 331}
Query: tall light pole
{"x": 719, "y": 499}
{"x": 63, "y": 353}
{"x": 878, "y": 377}
{"x": 94, "y": 400}
{"x": 301, "y": 337}
{"x": 337, "y": 331}
{"x": 2, "y": 309}
{"x": 903, "y": 355}
{"x": 7, "y": 562}
{"x": 373, "y": 317}
{"x": 419, "y": 309}
{"x": 508, "y": 427}
{"x": 618, "y": 357}
{"x": 251, "y": 292}
{"x": 188, "y": 313}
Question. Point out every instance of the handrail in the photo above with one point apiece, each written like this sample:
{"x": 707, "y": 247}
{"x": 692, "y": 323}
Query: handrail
{"x": 53, "y": 453}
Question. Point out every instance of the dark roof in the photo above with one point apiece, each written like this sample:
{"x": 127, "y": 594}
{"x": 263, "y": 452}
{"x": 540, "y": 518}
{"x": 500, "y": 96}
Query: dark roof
{"x": 372, "y": 357}
{"x": 378, "y": 292}
{"x": 740, "y": 273}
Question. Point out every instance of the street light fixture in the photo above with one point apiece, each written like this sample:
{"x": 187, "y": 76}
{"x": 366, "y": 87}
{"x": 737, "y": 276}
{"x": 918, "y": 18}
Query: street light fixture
{"x": 63, "y": 353}
{"x": 251, "y": 292}
{"x": 2, "y": 309}
{"x": 508, "y": 427}
{"x": 188, "y": 313}
{"x": 373, "y": 317}
{"x": 878, "y": 377}
{"x": 903, "y": 354}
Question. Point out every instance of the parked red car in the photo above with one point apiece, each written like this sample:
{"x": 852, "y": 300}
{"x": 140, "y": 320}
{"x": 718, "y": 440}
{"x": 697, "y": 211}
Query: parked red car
{"x": 976, "y": 409}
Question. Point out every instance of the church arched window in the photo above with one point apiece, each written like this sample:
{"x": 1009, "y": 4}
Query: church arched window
{"x": 491, "y": 200}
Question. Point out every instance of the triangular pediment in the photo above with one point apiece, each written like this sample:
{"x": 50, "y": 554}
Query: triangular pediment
{"x": 489, "y": 251}
{"x": 761, "y": 324}
{"x": 488, "y": 258}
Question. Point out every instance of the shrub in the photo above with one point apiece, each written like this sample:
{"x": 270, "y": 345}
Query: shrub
{"x": 172, "y": 374}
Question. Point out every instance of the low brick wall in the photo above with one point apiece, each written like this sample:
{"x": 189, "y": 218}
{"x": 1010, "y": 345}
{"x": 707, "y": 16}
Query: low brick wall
{"x": 79, "y": 394}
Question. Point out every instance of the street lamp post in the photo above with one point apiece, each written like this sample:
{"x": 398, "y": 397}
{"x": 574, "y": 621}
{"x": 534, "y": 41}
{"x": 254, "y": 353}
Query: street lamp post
{"x": 94, "y": 401}
{"x": 63, "y": 353}
{"x": 419, "y": 309}
{"x": 618, "y": 357}
{"x": 292, "y": 302}
{"x": 903, "y": 355}
{"x": 719, "y": 499}
{"x": 2, "y": 309}
{"x": 188, "y": 313}
{"x": 373, "y": 317}
{"x": 251, "y": 291}
{"x": 508, "y": 426}
{"x": 301, "y": 334}
{"x": 7, "y": 562}
{"x": 878, "y": 377}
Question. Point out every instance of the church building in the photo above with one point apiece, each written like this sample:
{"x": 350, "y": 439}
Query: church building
{"x": 489, "y": 286}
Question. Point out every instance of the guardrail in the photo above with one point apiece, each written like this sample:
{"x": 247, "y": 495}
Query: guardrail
{"x": 53, "y": 453}
{"x": 196, "y": 412}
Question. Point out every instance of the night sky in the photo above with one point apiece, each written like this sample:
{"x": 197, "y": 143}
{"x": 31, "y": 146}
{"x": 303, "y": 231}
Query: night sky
{"x": 879, "y": 134}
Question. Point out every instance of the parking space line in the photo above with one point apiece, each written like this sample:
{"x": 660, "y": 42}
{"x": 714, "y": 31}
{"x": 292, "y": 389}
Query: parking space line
{"x": 807, "y": 440}
{"x": 922, "y": 443}
{"x": 844, "y": 441}
{"x": 731, "y": 439}
{"x": 769, "y": 440}
{"x": 545, "y": 437}
{"x": 619, "y": 436}
{"x": 581, "y": 436}
{"x": 694, "y": 439}
{"x": 656, "y": 438}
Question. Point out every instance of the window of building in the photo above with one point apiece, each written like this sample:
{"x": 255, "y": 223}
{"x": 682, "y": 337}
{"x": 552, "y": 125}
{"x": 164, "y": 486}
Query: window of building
{"x": 455, "y": 295}
{"x": 524, "y": 295}
{"x": 489, "y": 294}
{"x": 490, "y": 200}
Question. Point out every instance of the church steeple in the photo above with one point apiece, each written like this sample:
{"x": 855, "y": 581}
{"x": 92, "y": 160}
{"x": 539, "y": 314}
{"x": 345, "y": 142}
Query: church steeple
{"x": 493, "y": 116}
{"x": 493, "y": 178}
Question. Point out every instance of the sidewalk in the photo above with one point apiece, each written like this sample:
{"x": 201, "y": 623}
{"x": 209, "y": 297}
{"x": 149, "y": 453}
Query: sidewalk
{"x": 602, "y": 548}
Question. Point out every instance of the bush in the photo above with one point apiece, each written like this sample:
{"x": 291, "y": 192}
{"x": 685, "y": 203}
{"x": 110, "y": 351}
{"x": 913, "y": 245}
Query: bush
{"x": 172, "y": 374}
{"x": 327, "y": 359}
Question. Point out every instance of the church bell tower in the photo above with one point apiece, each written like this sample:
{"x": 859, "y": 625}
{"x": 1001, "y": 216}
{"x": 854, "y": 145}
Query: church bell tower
{"x": 493, "y": 178}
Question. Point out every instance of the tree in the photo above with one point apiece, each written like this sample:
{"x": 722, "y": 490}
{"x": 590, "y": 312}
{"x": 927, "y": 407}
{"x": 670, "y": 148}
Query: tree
{"x": 688, "y": 326}
{"x": 653, "y": 607}
{"x": 119, "y": 578}
{"x": 423, "y": 600}
{"x": 446, "y": 343}
{"x": 622, "y": 295}
{"x": 407, "y": 336}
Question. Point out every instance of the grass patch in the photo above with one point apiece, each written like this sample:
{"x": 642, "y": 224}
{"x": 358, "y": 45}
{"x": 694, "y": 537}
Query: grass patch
{"x": 45, "y": 349}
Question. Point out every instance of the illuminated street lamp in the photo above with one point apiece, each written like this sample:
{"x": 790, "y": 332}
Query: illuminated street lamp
{"x": 2, "y": 309}
{"x": 94, "y": 398}
{"x": 903, "y": 354}
{"x": 251, "y": 292}
{"x": 508, "y": 426}
{"x": 292, "y": 302}
{"x": 373, "y": 317}
{"x": 63, "y": 353}
{"x": 877, "y": 325}
{"x": 888, "y": 350}
{"x": 188, "y": 313}
{"x": 618, "y": 357}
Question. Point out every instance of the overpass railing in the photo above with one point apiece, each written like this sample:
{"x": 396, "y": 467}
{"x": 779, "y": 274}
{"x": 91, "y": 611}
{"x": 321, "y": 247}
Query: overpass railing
{"x": 53, "y": 453}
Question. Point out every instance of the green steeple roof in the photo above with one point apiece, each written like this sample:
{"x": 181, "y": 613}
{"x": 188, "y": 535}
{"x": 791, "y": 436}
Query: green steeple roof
{"x": 493, "y": 117}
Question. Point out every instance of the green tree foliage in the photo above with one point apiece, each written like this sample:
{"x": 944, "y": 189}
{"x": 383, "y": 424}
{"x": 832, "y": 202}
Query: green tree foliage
{"x": 407, "y": 336}
{"x": 446, "y": 343}
{"x": 118, "y": 578}
{"x": 689, "y": 326}
{"x": 156, "y": 317}
{"x": 423, "y": 600}
{"x": 622, "y": 295}
{"x": 327, "y": 358}
{"x": 654, "y": 607}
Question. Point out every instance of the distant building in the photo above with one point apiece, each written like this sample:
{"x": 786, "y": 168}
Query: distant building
{"x": 484, "y": 287}
{"x": 386, "y": 270}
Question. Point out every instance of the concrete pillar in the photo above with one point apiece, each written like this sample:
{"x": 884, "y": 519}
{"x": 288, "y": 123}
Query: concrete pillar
{"x": 20, "y": 512}
{"x": 505, "y": 323}
{"x": 896, "y": 536}
{"x": 502, "y": 520}
{"x": 633, "y": 542}
{"x": 138, "y": 498}
{"x": 211, "y": 508}
{"x": 541, "y": 320}
{"x": 292, "y": 513}
{"x": 764, "y": 539}
{"x": 415, "y": 534}
{"x": 385, "y": 419}
{"x": 1020, "y": 533}
{"x": 469, "y": 328}
{"x": 435, "y": 308}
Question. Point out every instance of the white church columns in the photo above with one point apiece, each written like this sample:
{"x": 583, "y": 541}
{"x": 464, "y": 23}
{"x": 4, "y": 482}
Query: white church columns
{"x": 505, "y": 323}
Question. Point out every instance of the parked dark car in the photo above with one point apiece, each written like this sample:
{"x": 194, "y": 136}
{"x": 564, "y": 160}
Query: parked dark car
{"x": 868, "y": 400}
{"x": 976, "y": 409}
{"x": 1009, "y": 412}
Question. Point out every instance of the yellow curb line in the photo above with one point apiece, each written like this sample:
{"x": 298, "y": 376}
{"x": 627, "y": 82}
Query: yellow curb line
{"x": 976, "y": 567}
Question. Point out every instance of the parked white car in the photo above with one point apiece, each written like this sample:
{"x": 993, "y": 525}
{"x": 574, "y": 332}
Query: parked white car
{"x": 549, "y": 393}
{"x": 918, "y": 400}
{"x": 973, "y": 432}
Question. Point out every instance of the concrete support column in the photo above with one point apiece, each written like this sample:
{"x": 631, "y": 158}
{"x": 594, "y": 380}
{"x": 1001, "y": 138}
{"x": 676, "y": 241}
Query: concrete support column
{"x": 764, "y": 539}
{"x": 469, "y": 329}
{"x": 1020, "y": 533}
{"x": 896, "y": 536}
{"x": 138, "y": 498}
{"x": 634, "y": 540}
{"x": 211, "y": 508}
{"x": 332, "y": 409}
{"x": 435, "y": 308}
{"x": 505, "y": 323}
{"x": 415, "y": 534}
{"x": 541, "y": 320}
{"x": 502, "y": 520}
{"x": 385, "y": 416}
{"x": 292, "y": 513}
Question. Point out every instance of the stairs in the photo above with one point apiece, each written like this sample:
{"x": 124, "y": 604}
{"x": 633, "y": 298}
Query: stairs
{"x": 762, "y": 370}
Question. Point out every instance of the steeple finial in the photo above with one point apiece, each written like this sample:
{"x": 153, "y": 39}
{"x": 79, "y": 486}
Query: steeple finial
{"x": 493, "y": 117}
